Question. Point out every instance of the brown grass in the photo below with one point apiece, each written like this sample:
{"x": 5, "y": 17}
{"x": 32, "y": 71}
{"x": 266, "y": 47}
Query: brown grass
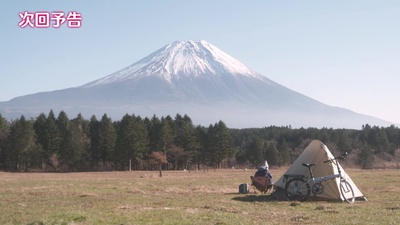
{"x": 183, "y": 197}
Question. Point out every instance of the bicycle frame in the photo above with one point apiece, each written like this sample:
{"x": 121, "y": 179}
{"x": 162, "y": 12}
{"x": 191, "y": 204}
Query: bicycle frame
{"x": 320, "y": 179}
{"x": 328, "y": 177}
{"x": 299, "y": 189}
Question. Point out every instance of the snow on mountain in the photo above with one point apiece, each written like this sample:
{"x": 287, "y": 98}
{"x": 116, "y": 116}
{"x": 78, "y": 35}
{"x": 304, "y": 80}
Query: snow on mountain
{"x": 180, "y": 59}
{"x": 193, "y": 78}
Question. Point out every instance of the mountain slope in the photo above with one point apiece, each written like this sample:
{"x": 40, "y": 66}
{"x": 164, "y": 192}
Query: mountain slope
{"x": 194, "y": 78}
{"x": 181, "y": 59}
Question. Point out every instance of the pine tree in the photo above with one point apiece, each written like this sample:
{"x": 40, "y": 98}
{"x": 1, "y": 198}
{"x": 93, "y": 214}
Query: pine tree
{"x": 40, "y": 130}
{"x": 220, "y": 143}
{"x": 65, "y": 153}
{"x": 202, "y": 153}
{"x": 255, "y": 151}
{"x": 4, "y": 132}
{"x": 155, "y": 133}
{"x": 393, "y": 135}
{"x": 132, "y": 141}
{"x": 48, "y": 137}
{"x": 80, "y": 142}
{"x": 366, "y": 157}
{"x": 106, "y": 137}
{"x": 344, "y": 142}
{"x": 167, "y": 134}
{"x": 21, "y": 144}
{"x": 273, "y": 155}
{"x": 284, "y": 153}
{"x": 185, "y": 138}
{"x": 378, "y": 139}
{"x": 94, "y": 150}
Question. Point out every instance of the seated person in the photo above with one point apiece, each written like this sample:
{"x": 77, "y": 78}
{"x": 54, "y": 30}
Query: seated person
{"x": 264, "y": 172}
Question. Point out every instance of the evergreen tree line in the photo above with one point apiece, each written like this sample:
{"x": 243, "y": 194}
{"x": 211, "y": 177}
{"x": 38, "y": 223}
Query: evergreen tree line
{"x": 53, "y": 143}
{"x": 369, "y": 147}
{"x": 50, "y": 143}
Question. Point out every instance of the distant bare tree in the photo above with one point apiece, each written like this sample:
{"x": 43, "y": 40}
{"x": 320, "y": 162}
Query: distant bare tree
{"x": 176, "y": 154}
{"x": 159, "y": 158}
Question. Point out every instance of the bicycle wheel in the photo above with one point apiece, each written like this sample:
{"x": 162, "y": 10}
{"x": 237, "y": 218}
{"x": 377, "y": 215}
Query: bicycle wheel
{"x": 297, "y": 189}
{"x": 347, "y": 191}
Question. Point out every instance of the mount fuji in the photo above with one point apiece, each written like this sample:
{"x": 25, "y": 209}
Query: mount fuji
{"x": 193, "y": 78}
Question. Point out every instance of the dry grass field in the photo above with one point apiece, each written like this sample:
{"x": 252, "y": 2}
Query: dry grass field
{"x": 182, "y": 197}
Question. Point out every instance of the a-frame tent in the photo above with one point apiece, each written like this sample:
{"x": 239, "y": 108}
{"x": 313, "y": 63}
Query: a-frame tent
{"x": 317, "y": 152}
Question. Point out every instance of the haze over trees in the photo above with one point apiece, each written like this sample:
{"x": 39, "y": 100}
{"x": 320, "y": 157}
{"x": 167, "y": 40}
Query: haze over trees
{"x": 60, "y": 143}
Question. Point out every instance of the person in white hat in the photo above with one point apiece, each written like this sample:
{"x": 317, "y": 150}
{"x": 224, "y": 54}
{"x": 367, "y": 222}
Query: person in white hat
{"x": 263, "y": 171}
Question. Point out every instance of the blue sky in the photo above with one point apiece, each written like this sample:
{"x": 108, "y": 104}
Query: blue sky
{"x": 342, "y": 53}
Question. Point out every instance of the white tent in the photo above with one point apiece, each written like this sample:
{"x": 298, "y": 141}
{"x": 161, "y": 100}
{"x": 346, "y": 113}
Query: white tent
{"x": 316, "y": 152}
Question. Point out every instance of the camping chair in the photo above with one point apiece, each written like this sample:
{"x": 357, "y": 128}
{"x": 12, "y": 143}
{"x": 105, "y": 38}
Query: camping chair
{"x": 263, "y": 184}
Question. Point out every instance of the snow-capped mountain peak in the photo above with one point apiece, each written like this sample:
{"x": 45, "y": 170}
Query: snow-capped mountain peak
{"x": 193, "y": 78}
{"x": 181, "y": 58}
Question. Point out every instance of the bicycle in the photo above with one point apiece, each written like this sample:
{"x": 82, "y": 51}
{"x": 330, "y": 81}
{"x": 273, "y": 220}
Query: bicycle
{"x": 298, "y": 189}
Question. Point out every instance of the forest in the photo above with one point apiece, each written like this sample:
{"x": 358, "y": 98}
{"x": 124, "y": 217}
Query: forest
{"x": 57, "y": 143}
